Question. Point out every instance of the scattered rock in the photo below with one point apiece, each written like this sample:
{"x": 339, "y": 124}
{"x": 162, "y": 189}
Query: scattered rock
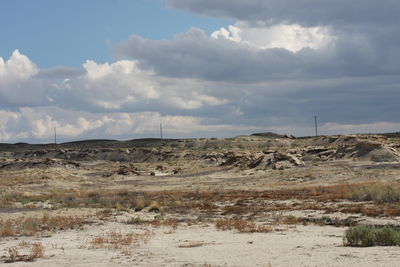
{"x": 176, "y": 170}
{"x": 161, "y": 168}
{"x": 261, "y": 160}
{"x": 368, "y": 150}
{"x": 128, "y": 170}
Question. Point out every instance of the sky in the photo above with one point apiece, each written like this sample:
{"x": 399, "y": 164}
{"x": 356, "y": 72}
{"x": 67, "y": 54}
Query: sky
{"x": 116, "y": 69}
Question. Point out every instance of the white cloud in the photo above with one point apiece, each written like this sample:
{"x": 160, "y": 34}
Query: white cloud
{"x": 8, "y": 122}
{"x": 119, "y": 86}
{"x": 122, "y": 100}
{"x": 17, "y": 83}
{"x": 291, "y": 37}
{"x": 39, "y": 123}
{"x": 18, "y": 68}
{"x": 113, "y": 85}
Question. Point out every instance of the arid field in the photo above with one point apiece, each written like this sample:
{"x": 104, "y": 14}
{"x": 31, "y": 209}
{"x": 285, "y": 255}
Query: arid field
{"x": 259, "y": 200}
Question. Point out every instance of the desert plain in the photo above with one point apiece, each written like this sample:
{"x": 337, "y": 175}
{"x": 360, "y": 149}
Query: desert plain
{"x": 258, "y": 200}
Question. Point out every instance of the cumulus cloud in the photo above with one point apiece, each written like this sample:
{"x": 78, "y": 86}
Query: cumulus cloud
{"x": 290, "y": 37}
{"x": 125, "y": 100}
{"x": 17, "y": 85}
{"x": 119, "y": 86}
{"x": 195, "y": 55}
{"x": 18, "y": 68}
{"x": 346, "y": 37}
{"x": 116, "y": 99}
{"x": 110, "y": 86}
{"x": 262, "y": 54}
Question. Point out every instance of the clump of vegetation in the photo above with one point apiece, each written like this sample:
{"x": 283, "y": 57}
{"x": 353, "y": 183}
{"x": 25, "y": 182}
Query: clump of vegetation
{"x": 378, "y": 192}
{"x": 167, "y": 222}
{"x": 32, "y": 225}
{"x": 364, "y": 236}
{"x": 242, "y": 226}
{"x": 139, "y": 204}
{"x": 118, "y": 240}
{"x": 119, "y": 207}
{"x": 136, "y": 220}
{"x": 155, "y": 207}
{"x": 31, "y": 252}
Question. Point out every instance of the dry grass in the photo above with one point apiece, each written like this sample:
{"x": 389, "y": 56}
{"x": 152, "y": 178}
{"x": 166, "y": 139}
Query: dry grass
{"x": 381, "y": 193}
{"x": 37, "y": 250}
{"x": 178, "y": 200}
{"x": 242, "y": 226}
{"x": 32, "y": 225}
{"x": 118, "y": 240}
{"x": 25, "y": 251}
{"x": 372, "y": 209}
{"x": 155, "y": 206}
{"x": 157, "y": 222}
{"x": 173, "y": 200}
{"x": 290, "y": 219}
{"x": 211, "y": 204}
{"x": 19, "y": 180}
{"x": 167, "y": 222}
{"x": 139, "y": 204}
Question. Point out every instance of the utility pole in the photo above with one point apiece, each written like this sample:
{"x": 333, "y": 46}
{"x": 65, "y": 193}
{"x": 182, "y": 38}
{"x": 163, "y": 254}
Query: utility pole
{"x": 55, "y": 135}
{"x": 316, "y": 125}
{"x": 161, "y": 130}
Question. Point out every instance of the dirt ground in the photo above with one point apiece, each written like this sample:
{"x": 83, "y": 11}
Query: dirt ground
{"x": 264, "y": 200}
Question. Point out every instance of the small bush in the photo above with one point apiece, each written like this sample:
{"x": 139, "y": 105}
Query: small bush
{"x": 363, "y": 236}
{"x": 119, "y": 207}
{"x": 155, "y": 207}
{"x": 37, "y": 250}
{"x": 139, "y": 204}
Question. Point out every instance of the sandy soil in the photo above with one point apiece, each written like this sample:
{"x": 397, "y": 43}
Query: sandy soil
{"x": 294, "y": 246}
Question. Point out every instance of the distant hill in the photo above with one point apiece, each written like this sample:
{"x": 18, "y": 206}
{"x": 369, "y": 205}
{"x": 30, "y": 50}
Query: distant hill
{"x": 269, "y": 135}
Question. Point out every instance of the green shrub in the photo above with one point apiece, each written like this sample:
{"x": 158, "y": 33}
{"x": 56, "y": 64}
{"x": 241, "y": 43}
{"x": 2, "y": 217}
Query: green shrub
{"x": 363, "y": 236}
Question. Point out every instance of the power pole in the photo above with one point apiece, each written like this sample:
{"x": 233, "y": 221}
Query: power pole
{"x": 316, "y": 125}
{"x": 55, "y": 135}
{"x": 161, "y": 130}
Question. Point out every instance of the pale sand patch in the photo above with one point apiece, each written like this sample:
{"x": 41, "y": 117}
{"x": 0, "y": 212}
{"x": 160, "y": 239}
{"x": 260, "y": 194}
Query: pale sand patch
{"x": 301, "y": 246}
{"x": 304, "y": 246}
